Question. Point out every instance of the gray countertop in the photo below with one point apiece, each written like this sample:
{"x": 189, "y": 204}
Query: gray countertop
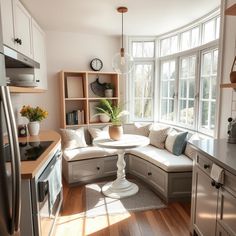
{"x": 219, "y": 151}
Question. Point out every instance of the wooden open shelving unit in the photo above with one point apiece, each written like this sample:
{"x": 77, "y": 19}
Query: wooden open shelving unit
{"x": 231, "y": 11}
{"x": 76, "y": 95}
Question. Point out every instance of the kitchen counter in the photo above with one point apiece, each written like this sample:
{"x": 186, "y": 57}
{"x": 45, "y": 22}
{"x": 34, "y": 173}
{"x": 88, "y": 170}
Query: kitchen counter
{"x": 30, "y": 168}
{"x": 219, "y": 151}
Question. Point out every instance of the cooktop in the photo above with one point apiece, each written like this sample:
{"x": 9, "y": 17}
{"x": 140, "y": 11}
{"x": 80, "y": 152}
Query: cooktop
{"x": 31, "y": 151}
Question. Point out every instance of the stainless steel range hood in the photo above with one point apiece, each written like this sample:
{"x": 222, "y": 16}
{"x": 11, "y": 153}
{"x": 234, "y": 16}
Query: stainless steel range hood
{"x": 14, "y": 59}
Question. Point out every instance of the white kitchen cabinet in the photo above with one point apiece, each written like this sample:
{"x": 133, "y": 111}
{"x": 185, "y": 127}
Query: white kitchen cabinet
{"x": 8, "y": 23}
{"x": 22, "y": 28}
{"x": 16, "y": 26}
{"x": 39, "y": 55}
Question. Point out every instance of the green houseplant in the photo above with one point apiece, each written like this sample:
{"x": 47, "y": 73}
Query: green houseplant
{"x": 115, "y": 113}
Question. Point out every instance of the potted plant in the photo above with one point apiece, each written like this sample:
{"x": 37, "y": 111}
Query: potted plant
{"x": 34, "y": 115}
{"x": 108, "y": 92}
{"x": 102, "y": 110}
{"x": 115, "y": 114}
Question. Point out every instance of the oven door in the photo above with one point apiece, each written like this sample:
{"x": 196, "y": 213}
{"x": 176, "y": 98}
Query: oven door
{"x": 48, "y": 213}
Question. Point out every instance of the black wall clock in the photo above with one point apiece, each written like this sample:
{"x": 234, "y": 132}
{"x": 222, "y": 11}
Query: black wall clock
{"x": 96, "y": 64}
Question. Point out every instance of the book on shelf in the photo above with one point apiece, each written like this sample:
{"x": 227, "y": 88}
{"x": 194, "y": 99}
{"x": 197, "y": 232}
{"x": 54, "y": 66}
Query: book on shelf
{"x": 75, "y": 117}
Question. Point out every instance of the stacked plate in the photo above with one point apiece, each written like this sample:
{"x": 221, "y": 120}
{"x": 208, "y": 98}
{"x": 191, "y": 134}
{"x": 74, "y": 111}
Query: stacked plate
{"x": 23, "y": 80}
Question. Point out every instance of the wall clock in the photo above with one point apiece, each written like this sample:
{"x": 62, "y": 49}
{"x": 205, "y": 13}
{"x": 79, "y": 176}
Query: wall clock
{"x": 96, "y": 64}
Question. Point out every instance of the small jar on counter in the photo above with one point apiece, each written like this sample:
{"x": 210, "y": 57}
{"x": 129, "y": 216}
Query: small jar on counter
{"x": 22, "y": 130}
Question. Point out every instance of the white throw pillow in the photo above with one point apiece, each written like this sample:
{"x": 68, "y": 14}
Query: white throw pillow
{"x": 73, "y": 138}
{"x": 158, "y": 137}
{"x": 138, "y": 129}
{"x": 99, "y": 133}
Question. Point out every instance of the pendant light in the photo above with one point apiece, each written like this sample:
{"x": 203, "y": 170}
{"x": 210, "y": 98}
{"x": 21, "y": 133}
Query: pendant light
{"x": 122, "y": 62}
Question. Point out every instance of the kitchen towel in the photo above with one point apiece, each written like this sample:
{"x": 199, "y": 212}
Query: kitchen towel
{"x": 217, "y": 174}
{"x": 54, "y": 184}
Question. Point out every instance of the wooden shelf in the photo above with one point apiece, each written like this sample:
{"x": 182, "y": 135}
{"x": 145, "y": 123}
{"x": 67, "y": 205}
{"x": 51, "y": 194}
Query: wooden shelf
{"x": 75, "y": 99}
{"x": 99, "y": 123}
{"x": 230, "y": 85}
{"x": 73, "y": 126}
{"x": 231, "y": 11}
{"x": 14, "y": 89}
{"x": 97, "y": 99}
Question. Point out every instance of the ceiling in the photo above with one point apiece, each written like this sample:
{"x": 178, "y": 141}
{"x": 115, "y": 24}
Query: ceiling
{"x": 145, "y": 17}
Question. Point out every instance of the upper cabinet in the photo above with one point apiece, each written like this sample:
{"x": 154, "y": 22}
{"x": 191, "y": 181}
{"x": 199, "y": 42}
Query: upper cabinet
{"x": 22, "y": 29}
{"x": 39, "y": 52}
{"x": 23, "y": 34}
{"x": 16, "y": 26}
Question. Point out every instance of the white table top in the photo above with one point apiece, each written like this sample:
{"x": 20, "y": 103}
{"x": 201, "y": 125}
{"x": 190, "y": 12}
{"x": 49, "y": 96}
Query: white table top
{"x": 126, "y": 142}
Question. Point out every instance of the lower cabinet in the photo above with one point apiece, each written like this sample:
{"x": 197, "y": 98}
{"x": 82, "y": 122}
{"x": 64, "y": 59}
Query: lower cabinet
{"x": 86, "y": 170}
{"x": 205, "y": 204}
{"x": 213, "y": 209}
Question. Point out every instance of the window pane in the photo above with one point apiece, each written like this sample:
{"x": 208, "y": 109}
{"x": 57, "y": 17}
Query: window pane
{"x": 195, "y": 37}
{"x": 209, "y": 31}
{"x": 206, "y": 64}
{"x": 215, "y": 62}
{"x": 171, "y": 110}
{"x": 206, "y": 88}
{"x": 185, "y": 40}
{"x": 213, "y": 87}
{"x": 190, "y": 113}
{"x": 174, "y": 44}
{"x": 213, "y": 111}
{"x": 204, "y": 112}
{"x": 165, "y": 47}
{"x": 164, "y": 109}
{"x": 138, "y": 108}
{"x": 182, "y": 111}
{"x": 191, "y": 88}
{"x": 148, "y": 49}
{"x": 147, "y": 108}
{"x": 184, "y": 68}
{"x": 137, "y": 49}
{"x": 171, "y": 89}
{"x": 183, "y": 88}
{"x": 164, "y": 89}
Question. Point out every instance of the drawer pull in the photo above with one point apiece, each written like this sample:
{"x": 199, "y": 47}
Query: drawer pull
{"x": 206, "y": 166}
{"x": 149, "y": 173}
{"x": 218, "y": 185}
{"x": 213, "y": 183}
{"x": 98, "y": 168}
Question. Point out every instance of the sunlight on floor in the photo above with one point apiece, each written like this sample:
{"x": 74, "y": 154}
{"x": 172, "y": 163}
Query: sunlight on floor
{"x": 79, "y": 225}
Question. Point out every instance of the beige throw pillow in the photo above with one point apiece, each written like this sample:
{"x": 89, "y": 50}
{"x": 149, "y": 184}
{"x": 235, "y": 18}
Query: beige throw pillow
{"x": 137, "y": 128}
{"x": 158, "y": 137}
{"x": 99, "y": 133}
{"x": 73, "y": 138}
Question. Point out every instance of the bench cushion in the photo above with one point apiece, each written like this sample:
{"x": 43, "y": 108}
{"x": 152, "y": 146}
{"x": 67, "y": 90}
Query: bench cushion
{"x": 163, "y": 159}
{"x": 87, "y": 153}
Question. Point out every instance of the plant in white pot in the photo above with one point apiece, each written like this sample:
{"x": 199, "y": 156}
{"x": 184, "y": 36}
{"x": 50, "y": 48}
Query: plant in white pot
{"x": 115, "y": 113}
{"x": 109, "y": 87}
{"x": 34, "y": 115}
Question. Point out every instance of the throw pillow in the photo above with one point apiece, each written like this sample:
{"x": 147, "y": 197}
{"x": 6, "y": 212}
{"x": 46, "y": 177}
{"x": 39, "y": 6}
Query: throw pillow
{"x": 158, "y": 137}
{"x": 137, "y": 129}
{"x": 73, "y": 138}
{"x": 99, "y": 133}
{"x": 176, "y": 142}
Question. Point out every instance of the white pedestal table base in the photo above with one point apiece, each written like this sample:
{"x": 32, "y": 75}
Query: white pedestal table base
{"x": 121, "y": 187}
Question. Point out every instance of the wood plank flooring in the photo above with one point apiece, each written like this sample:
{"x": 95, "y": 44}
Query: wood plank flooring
{"x": 173, "y": 220}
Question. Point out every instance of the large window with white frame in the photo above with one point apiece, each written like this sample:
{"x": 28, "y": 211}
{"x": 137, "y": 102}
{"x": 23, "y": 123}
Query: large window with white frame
{"x": 184, "y": 70}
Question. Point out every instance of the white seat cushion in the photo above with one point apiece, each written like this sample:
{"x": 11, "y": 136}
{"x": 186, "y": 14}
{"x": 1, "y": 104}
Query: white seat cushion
{"x": 163, "y": 159}
{"x": 87, "y": 153}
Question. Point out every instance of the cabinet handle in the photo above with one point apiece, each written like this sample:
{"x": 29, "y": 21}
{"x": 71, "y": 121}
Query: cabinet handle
{"x": 149, "y": 173}
{"x": 213, "y": 183}
{"x": 37, "y": 80}
{"x": 206, "y": 166}
{"x": 17, "y": 40}
{"x": 218, "y": 185}
{"x": 98, "y": 168}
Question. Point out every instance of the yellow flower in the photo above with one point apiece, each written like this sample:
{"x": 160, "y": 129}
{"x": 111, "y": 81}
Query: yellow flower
{"x": 33, "y": 113}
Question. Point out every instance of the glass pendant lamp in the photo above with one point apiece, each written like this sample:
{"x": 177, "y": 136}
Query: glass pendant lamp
{"x": 122, "y": 62}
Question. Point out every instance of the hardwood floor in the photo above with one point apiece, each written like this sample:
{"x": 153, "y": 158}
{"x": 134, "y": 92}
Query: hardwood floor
{"x": 172, "y": 220}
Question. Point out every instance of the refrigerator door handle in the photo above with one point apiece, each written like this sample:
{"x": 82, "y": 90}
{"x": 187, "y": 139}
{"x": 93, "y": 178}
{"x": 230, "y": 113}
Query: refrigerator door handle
{"x": 17, "y": 159}
{"x": 10, "y": 139}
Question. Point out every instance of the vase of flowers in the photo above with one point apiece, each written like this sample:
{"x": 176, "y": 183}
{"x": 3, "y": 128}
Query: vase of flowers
{"x": 34, "y": 115}
{"x": 115, "y": 113}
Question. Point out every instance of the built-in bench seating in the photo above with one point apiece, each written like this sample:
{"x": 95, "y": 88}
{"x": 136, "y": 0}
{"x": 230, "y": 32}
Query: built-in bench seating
{"x": 169, "y": 175}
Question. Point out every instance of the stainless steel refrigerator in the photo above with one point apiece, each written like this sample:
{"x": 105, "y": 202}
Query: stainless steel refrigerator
{"x": 10, "y": 179}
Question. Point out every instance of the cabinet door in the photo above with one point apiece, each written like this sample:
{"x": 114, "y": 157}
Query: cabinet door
{"x": 85, "y": 170}
{"x": 227, "y": 211}
{"x": 22, "y": 23}
{"x": 7, "y": 23}
{"x": 205, "y": 207}
{"x": 109, "y": 166}
{"x": 39, "y": 55}
{"x": 138, "y": 167}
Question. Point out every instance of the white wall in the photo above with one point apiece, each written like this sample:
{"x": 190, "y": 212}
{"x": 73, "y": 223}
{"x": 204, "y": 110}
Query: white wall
{"x": 71, "y": 51}
{"x": 229, "y": 50}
